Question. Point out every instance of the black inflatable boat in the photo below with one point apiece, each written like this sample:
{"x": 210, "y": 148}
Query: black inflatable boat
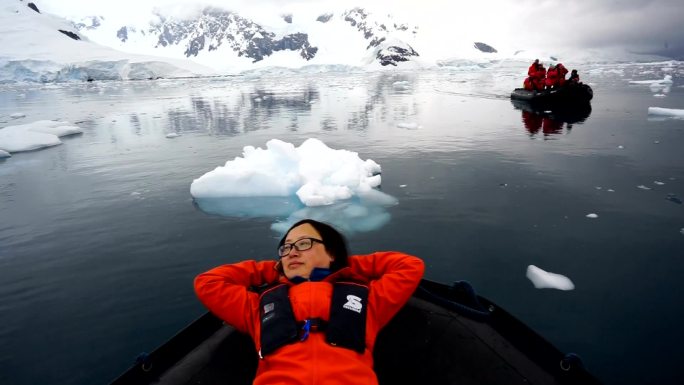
{"x": 444, "y": 335}
{"x": 569, "y": 95}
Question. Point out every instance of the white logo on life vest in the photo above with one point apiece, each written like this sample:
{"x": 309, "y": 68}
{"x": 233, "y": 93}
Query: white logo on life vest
{"x": 353, "y": 303}
{"x": 269, "y": 307}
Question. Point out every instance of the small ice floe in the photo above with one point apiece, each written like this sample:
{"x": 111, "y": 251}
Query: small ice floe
{"x": 592, "y": 216}
{"x": 598, "y": 188}
{"x": 172, "y": 135}
{"x": 258, "y": 100}
{"x": 621, "y": 146}
{"x": 659, "y": 183}
{"x": 656, "y": 141}
{"x": 664, "y": 81}
{"x": 544, "y": 280}
{"x": 610, "y": 190}
{"x": 681, "y": 231}
{"x": 660, "y": 86}
{"x": 401, "y": 85}
{"x": 661, "y": 89}
{"x": 17, "y": 115}
{"x": 641, "y": 186}
{"x": 659, "y": 95}
{"x": 666, "y": 112}
{"x": 135, "y": 193}
{"x": 36, "y": 135}
{"x": 402, "y": 185}
{"x": 4, "y": 154}
{"x": 408, "y": 125}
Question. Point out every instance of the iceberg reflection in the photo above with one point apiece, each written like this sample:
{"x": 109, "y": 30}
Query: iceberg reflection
{"x": 349, "y": 216}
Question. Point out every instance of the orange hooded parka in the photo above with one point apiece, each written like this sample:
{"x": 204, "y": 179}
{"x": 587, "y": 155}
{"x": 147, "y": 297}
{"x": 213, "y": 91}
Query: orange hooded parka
{"x": 392, "y": 277}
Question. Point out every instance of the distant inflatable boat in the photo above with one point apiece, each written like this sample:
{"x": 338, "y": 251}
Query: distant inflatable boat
{"x": 569, "y": 95}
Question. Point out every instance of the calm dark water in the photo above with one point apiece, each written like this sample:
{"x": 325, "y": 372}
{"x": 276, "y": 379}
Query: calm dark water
{"x": 100, "y": 239}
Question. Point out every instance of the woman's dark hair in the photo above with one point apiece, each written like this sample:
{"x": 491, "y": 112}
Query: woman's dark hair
{"x": 333, "y": 240}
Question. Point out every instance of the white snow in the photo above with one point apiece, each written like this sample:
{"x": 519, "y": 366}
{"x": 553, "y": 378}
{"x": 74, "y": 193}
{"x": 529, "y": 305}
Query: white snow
{"x": 668, "y": 112}
{"x": 315, "y": 173}
{"x": 592, "y": 215}
{"x": 36, "y": 135}
{"x": 545, "y": 280}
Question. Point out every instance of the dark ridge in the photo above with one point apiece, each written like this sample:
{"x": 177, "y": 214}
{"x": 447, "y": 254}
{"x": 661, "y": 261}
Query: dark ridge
{"x": 122, "y": 34}
{"x": 287, "y": 18}
{"x": 324, "y": 18}
{"x": 393, "y": 54}
{"x": 33, "y": 7}
{"x": 485, "y": 47}
{"x": 70, "y": 34}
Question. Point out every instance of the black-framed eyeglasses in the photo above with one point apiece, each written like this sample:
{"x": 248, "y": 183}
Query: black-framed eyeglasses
{"x": 300, "y": 245}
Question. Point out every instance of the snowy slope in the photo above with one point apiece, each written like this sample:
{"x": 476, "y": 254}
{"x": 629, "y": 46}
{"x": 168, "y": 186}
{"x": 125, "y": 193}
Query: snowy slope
{"x": 43, "y": 53}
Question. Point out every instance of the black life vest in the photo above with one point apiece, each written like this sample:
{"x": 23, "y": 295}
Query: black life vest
{"x": 345, "y": 328}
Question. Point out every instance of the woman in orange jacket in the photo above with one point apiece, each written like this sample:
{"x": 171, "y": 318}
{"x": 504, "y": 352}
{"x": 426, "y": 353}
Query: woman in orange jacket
{"x": 315, "y": 313}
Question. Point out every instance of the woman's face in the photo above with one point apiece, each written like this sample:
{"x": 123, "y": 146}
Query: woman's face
{"x": 301, "y": 263}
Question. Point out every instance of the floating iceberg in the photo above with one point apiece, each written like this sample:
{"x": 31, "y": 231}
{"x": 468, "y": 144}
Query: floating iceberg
{"x": 289, "y": 183}
{"x": 544, "y": 280}
{"x": 666, "y": 112}
{"x": 36, "y": 135}
{"x": 315, "y": 173}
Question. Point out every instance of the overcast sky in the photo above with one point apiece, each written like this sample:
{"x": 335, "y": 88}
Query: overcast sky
{"x": 640, "y": 25}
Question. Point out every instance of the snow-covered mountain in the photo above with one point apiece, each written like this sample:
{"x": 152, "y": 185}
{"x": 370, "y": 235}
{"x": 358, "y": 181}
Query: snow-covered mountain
{"x": 204, "y": 40}
{"x": 227, "y": 40}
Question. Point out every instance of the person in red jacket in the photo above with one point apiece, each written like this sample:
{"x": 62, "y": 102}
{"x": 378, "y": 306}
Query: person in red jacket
{"x": 528, "y": 84}
{"x": 532, "y": 80}
{"x": 315, "y": 313}
{"x": 534, "y": 67}
{"x": 562, "y": 71}
{"x": 551, "y": 77}
{"x": 539, "y": 78}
